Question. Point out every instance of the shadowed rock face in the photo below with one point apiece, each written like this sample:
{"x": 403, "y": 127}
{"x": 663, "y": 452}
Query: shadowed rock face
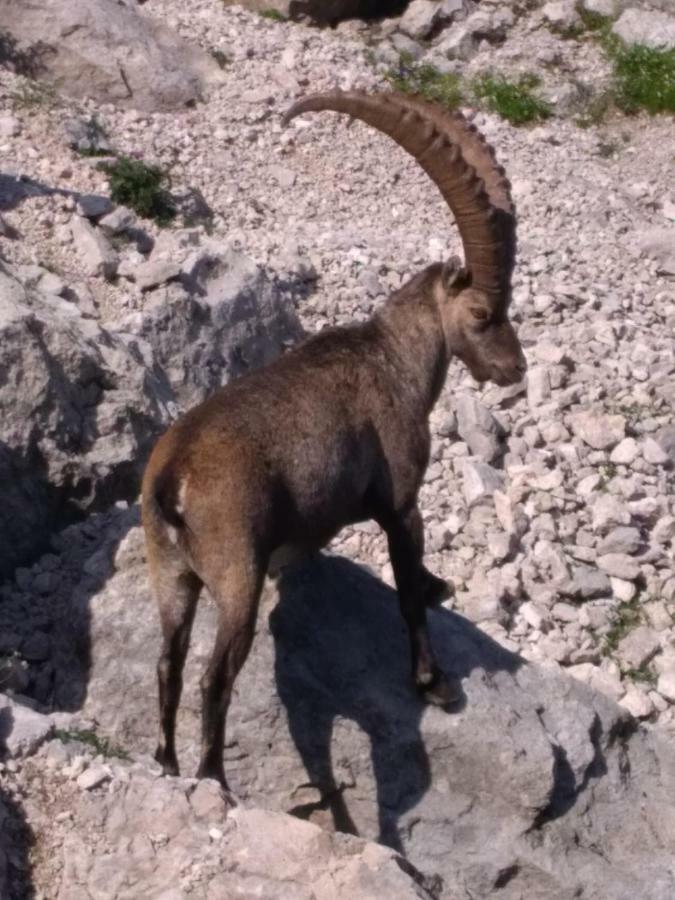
{"x": 326, "y": 11}
{"x": 534, "y": 786}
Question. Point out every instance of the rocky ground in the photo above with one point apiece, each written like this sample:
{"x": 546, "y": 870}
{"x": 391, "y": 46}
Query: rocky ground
{"x": 550, "y": 506}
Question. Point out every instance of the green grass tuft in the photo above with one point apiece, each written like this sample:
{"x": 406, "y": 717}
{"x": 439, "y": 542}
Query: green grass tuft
{"x": 593, "y": 21}
{"x": 644, "y": 78}
{"x": 142, "y": 188}
{"x": 628, "y": 616}
{"x": 273, "y": 14}
{"x": 644, "y": 674}
{"x": 411, "y": 77}
{"x": 32, "y": 94}
{"x": 101, "y": 745}
{"x": 221, "y": 58}
{"x": 515, "y": 101}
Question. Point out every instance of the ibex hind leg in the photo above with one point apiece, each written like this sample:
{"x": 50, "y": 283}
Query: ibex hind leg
{"x": 236, "y": 593}
{"x": 177, "y": 590}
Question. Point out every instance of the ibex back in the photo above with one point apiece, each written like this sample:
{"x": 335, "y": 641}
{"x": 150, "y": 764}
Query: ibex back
{"x": 334, "y": 432}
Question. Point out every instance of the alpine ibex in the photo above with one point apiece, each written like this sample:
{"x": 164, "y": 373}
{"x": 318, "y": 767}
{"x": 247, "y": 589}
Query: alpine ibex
{"x": 334, "y": 432}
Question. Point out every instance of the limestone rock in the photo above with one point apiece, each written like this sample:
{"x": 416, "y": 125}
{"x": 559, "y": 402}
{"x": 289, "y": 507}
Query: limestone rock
{"x": 110, "y": 52}
{"x": 75, "y": 433}
{"x": 646, "y": 26}
{"x": 338, "y": 712}
{"x": 22, "y": 730}
{"x": 94, "y": 248}
{"x": 598, "y": 430}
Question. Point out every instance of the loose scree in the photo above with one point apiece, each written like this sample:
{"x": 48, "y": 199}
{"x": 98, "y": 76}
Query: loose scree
{"x": 334, "y": 432}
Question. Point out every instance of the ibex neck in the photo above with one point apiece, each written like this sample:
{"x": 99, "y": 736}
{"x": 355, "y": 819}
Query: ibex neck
{"x": 413, "y": 331}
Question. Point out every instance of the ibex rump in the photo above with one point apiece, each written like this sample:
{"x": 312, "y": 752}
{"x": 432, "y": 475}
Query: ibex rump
{"x": 334, "y": 432}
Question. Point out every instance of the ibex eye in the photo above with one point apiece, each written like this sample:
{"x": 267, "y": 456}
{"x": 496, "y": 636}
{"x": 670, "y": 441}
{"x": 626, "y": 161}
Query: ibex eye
{"x": 481, "y": 314}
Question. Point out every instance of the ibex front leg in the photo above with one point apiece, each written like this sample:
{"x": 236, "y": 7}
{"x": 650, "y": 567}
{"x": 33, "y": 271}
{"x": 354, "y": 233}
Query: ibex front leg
{"x": 406, "y": 547}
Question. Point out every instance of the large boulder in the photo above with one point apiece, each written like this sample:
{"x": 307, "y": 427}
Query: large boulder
{"x": 221, "y": 319}
{"x": 104, "y": 50}
{"x": 533, "y": 786}
{"x": 158, "y": 837}
{"x": 79, "y": 408}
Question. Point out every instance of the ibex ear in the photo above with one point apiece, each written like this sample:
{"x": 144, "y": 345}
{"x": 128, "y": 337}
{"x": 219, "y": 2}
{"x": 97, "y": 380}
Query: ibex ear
{"x": 455, "y": 277}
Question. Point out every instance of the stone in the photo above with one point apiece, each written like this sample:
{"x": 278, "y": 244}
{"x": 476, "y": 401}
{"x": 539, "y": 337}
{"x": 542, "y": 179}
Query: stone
{"x": 76, "y": 434}
{"x": 607, "y": 512}
{"x": 154, "y": 272}
{"x": 284, "y": 177}
{"x": 478, "y": 427}
{"x": 666, "y": 684}
{"x": 22, "y": 730}
{"x": 118, "y": 220}
{"x": 637, "y": 703}
{"x": 226, "y": 317}
{"x": 565, "y": 612}
{"x": 457, "y": 42}
{"x": 620, "y": 540}
{"x": 9, "y": 126}
{"x": 608, "y": 8}
{"x": 657, "y": 243}
{"x": 94, "y": 249}
{"x": 322, "y": 718}
{"x": 92, "y": 206}
{"x": 619, "y": 565}
{"x": 625, "y": 452}
{"x": 111, "y": 53}
{"x": 664, "y": 530}
{"x": 651, "y": 28}
{"x": 665, "y": 442}
{"x": 424, "y": 17}
{"x": 148, "y": 834}
{"x": 562, "y": 15}
{"x": 598, "y": 430}
{"x": 479, "y": 480}
{"x": 589, "y": 582}
{"x": 93, "y": 777}
{"x": 638, "y": 647}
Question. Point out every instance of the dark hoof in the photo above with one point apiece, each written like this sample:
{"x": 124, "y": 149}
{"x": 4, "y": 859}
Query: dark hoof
{"x": 436, "y": 590}
{"x": 168, "y": 762}
{"x": 440, "y": 690}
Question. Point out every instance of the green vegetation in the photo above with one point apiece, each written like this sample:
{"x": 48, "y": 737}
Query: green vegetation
{"x": 512, "y": 100}
{"x": 221, "y": 58}
{"x": 644, "y": 78}
{"x": 273, "y": 14}
{"x": 141, "y": 187}
{"x": 644, "y": 674}
{"x": 101, "y": 745}
{"x": 411, "y": 77}
{"x": 593, "y": 21}
{"x": 32, "y": 94}
{"x": 628, "y": 616}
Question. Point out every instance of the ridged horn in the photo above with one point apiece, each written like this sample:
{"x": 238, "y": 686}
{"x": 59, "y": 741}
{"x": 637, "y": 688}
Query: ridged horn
{"x": 458, "y": 160}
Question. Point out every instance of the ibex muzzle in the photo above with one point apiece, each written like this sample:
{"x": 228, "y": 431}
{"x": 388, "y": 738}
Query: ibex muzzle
{"x": 334, "y": 432}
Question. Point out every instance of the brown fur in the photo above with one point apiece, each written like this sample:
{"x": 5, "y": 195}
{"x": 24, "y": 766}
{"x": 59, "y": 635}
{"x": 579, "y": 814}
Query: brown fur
{"x": 334, "y": 432}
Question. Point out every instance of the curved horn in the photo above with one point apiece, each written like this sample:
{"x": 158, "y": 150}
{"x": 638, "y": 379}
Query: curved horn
{"x": 459, "y": 162}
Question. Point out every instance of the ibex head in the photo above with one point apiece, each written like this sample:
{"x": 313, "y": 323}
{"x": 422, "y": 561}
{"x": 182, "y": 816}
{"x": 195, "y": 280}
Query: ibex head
{"x": 473, "y": 300}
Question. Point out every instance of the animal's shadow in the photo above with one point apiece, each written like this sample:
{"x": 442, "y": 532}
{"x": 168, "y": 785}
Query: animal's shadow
{"x": 342, "y": 653}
